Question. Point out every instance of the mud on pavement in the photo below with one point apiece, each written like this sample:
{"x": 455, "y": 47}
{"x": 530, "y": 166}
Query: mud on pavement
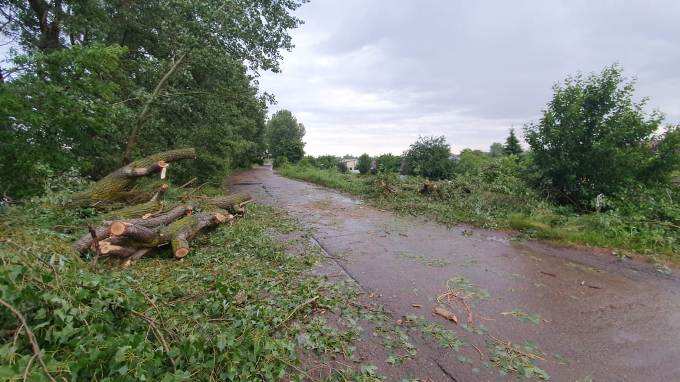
{"x": 522, "y": 308}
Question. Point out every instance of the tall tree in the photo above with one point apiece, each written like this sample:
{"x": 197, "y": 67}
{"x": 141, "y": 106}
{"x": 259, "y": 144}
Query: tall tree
{"x": 284, "y": 136}
{"x": 496, "y": 149}
{"x": 512, "y": 146}
{"x": 595, "y": 139}
{"x": 99, "y": 78}
{"x": 364, "y": 163}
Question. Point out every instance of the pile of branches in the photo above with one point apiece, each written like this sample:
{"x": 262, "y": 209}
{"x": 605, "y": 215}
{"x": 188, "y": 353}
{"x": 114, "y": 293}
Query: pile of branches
{"x": 135, "y": 231}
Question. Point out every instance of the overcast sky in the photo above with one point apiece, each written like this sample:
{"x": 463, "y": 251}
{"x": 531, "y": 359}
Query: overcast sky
{"x": 371, "y": 76}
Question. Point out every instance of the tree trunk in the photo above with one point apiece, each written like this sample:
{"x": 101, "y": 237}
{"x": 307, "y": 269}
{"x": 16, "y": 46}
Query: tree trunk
{"x": 121, "y": 180}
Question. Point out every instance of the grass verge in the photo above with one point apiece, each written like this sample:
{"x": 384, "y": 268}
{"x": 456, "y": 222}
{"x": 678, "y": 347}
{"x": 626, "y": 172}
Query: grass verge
{"x": 234, "y": 309}
{"x": 492, "y": 208}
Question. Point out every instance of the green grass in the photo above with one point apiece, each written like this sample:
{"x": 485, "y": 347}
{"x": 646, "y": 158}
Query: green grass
{"x": 494, "y": 208}
{"x": 234, "y": 309}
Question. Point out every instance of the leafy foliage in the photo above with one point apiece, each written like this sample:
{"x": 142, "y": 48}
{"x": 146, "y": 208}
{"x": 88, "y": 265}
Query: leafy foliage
{"x": 497, "y": 193}
{"x": 388, "y": 163}
{"x": 496, "y": 149}
{"x": 364, "y": 163}
{"x": 512, "y": 146}
{"x": 594, "y": 139}
{"x": 61, "y": 115}
{"x": 327, "y": 162}
{"x": 512, "y": 358}
{"x": 284, "y": 136}
{"x": 178, "y": 73}
{"x": 234, "y": 310}
{"x": 429, "y": 157}
{"x": 280, "y": 161}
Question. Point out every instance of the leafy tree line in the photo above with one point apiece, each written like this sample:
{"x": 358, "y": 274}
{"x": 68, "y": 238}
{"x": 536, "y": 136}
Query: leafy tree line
{"x": 92, "y": 84}
{"x": 593, "y": 139}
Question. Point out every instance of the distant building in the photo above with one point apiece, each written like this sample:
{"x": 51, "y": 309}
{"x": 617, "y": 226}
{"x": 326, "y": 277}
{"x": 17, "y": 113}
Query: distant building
{"x": 351, "y": 163}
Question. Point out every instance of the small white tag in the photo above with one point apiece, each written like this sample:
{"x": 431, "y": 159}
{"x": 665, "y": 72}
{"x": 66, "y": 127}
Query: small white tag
{"x": 163, "y": 171}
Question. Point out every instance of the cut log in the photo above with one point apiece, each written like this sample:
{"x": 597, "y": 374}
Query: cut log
{"x": 102, "y": 232}
{"x": 136, "y": 256}
{"x": 188, "y": 227}
{"x": 155, "y": 205}
{"x": 108, "y": 249}
{"x": 84, "y": 243}
{"x": 229, "y": 203}
{"x": 123, "y": 178}
{"x": 177, "y": 233}
{"x": 135, "y": 232}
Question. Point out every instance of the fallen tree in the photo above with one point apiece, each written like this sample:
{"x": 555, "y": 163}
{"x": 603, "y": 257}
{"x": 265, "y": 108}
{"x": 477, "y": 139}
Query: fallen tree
{"x": 224, "y": 205}
{"x": 133, "y": 232}
{"x": 117, "y": 185}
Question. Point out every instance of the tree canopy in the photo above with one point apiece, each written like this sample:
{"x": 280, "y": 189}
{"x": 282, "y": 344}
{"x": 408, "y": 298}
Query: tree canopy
{"x": 595, "y": 139}
{"x": 388, "y": 163}
{"x": 364, "y": 163}
{"x": 93, "y": 80}
{"x": 496, "y": 149}
{"x": 284, "y": 136}
{"x": 429, "y": 157}
{"x": 512, "y": 146}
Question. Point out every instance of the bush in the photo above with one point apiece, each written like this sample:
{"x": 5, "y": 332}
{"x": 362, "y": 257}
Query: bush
{"x": 594, "y": 139}
{"x": 364, "y": 164}
{"x": 308, "y": 160}
{"x": 280, "y": 161}
{"x": 327, "y": 162}
{"x": 429, "y": 157}
{"x": 471, "y": 162}
{"x": 388, "y": 163}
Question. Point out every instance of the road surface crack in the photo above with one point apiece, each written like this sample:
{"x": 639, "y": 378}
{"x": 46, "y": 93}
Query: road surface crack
{"x": 446, "y": 372}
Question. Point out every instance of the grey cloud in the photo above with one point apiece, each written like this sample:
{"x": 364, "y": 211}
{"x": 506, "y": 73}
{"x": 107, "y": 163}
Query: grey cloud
{"x": 467, "y": 70}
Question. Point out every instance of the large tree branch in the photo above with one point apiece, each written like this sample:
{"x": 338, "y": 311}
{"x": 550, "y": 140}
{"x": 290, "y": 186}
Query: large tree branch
{"x": 134, "y": 134}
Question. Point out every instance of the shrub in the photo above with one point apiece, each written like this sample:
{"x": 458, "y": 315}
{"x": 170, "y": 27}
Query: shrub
{"x": 388, "y": 163}
{"x": 280, "y": 161}
{"x": 364, "y": 164}
{"x": 471, "y": 162}
{"x": 593, "y": 138}
{"x": 496, "y": 149}
{"x": 308, "y": 160}
{"x": 327, "y": 162}
{"x": 429, "y": 157}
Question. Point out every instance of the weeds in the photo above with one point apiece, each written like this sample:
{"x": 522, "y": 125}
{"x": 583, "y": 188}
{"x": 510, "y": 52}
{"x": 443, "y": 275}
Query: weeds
{"x": 512, "y": 358}
{"x": 238, "y": 308}
{"x": 644, "y": 223}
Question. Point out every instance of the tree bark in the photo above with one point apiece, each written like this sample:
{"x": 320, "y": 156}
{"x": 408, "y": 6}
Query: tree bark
{"x": 122, "y": 179}
{"x": 85, "y": 242}
{"x": 126, "y": 238}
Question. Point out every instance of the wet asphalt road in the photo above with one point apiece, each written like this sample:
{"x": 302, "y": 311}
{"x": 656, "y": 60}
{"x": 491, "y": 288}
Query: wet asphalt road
{"x": 597, "y": 317}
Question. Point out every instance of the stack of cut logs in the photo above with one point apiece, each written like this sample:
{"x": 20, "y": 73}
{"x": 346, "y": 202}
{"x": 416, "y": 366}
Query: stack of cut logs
{"x": 133, "y": 232}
